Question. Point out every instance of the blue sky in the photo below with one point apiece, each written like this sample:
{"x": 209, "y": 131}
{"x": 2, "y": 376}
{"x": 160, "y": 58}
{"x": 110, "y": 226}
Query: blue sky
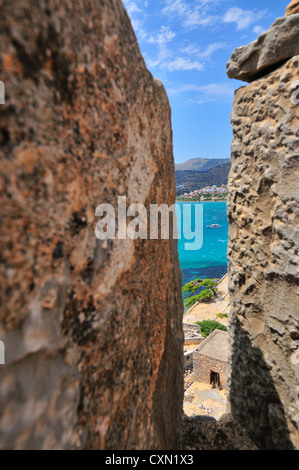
{"x": 186, "y": 44}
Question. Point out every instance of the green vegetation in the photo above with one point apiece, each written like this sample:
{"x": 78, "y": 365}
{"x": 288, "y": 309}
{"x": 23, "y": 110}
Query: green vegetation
{"x": 199, "y": 290}
{"x": 222, "y": 315}
{"x": 208, "y": 326}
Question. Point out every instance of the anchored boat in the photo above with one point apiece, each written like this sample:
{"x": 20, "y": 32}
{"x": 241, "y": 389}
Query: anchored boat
{"x": 214, "y": 226}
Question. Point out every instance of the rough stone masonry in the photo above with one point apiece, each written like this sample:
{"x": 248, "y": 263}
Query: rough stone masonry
{"x": 263, "y": 250}
{"x": 92, "y": 330}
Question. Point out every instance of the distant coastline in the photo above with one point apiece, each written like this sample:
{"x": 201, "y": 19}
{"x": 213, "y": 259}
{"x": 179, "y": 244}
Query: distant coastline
{"x": 179, "y": 199}
{"x": 207, "y": 194}
{"x": 199, "y": 173}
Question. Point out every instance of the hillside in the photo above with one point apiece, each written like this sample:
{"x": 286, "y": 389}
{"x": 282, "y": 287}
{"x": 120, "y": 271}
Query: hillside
{"x": 187, "y": 181}
{"x": 201, "y": 164}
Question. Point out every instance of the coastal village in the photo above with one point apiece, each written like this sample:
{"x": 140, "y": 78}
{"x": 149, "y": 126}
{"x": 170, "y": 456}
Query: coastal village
{"x": 208, "y": 193}
{"x": 205, "y": 359}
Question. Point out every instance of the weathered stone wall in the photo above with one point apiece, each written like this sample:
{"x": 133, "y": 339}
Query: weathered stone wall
{"x": 192, "y": 335}
{"x": 92, "y": 330}
{"x": 194, "y": 341}
{"x": 190, "y": 331}
{"x": 263, "y": 210}
{"x": 203, "y": 365}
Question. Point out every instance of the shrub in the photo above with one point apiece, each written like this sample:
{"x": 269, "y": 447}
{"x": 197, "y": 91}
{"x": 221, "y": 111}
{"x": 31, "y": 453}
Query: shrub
{"x": 202, "y": 297}
{"x": 222, "y": 315}
{"x": 190, "y": 287}
{"x": 208, "y": 326}
{"x": 205, "y": 289}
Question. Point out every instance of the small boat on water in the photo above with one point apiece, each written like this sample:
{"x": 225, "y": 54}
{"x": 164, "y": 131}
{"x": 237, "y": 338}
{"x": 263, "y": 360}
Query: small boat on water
{"x": 214, "y": 226}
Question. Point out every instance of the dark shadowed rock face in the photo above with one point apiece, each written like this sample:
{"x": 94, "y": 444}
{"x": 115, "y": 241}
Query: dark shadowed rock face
{"x": 206, "y": 433}
{"x": 92, "y": 329}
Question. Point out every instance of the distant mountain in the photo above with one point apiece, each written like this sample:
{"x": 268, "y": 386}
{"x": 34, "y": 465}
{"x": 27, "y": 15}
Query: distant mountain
{"x": 201, "y": 164}
{"x": 187, "y": 181}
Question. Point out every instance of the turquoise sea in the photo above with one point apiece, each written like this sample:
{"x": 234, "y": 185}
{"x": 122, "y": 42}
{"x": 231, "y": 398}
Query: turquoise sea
{"x": 211, "y": 260}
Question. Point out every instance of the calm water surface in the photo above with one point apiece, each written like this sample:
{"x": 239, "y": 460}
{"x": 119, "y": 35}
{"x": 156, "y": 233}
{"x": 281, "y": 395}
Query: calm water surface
{"x": 211, "y": 260}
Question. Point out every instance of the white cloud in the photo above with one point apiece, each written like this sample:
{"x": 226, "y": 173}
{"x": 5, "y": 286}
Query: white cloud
{"x": 217, "y": 90}
{"x": 196, "y": 19}
{"x": 164, "y": 36}
{"x": 138, "y": 27}
{"x": 167, "y": 55}
{"x": 193, "y": 50}
{"x": 192, "y": 57}
{"x": 131, "y": 7}
{"x": 176, "y": 8}
{"x": 161, "y": 40}
{"x": 137, "y": 16}
{"x": 180, "y": 63}
{"x": 205, "y": 93}
{"x": 258, "y": 30}
{"x": 214, "y": 47}
{"x": 190, "y": 49}
{"x": 177, "y": 64}
{"x": 242, "y": 18}
{"x": 191, "y": 16}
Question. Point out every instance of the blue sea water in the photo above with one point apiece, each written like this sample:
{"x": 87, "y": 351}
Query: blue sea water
{"x": 210, "y": 261}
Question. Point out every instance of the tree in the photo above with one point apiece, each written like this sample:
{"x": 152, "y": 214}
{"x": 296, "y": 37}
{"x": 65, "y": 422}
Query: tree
{"x": 199, "y": 290}
{"x": 208, "y": 326}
